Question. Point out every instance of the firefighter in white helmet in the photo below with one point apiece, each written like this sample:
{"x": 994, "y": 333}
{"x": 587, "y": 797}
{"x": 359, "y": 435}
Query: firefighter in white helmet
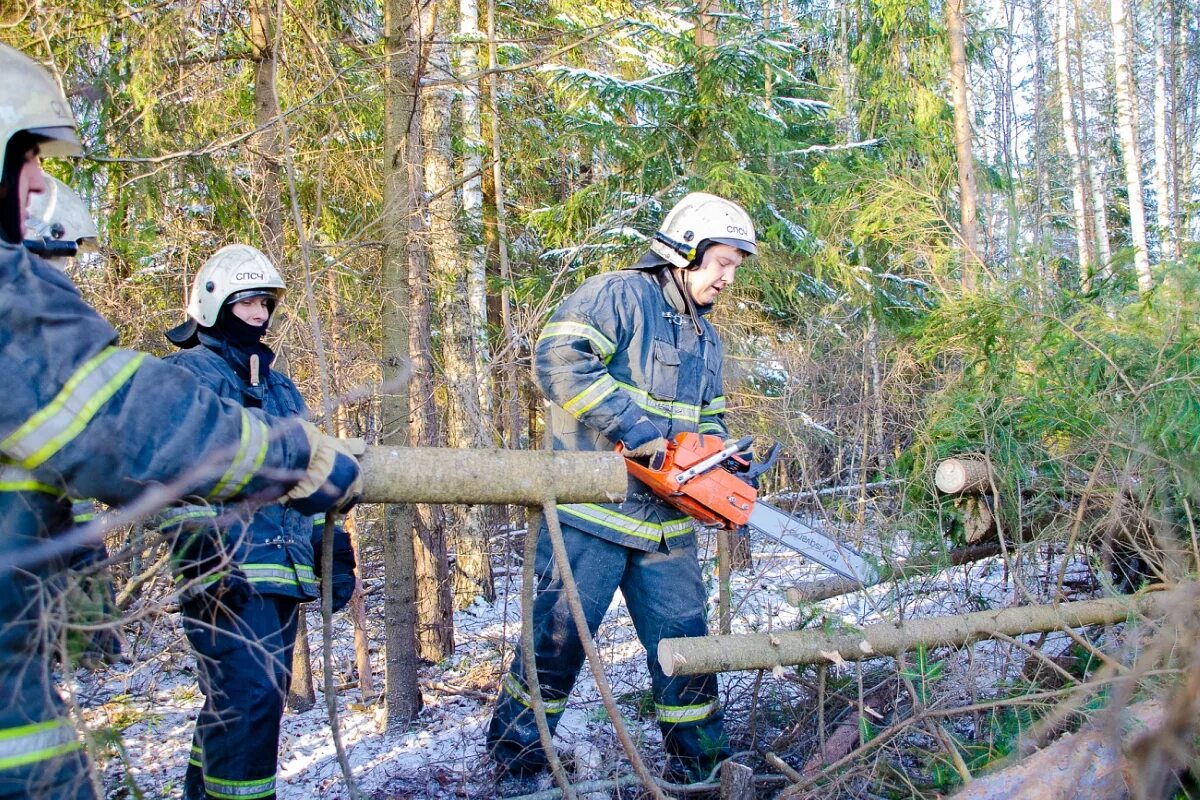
{"x": 241, "y": 619}
{"x": 84, "y": 418}
{"x": 629, "y": 358}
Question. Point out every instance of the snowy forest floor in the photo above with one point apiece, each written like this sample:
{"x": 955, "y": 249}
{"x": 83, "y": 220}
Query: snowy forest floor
{"x": 153, "y": 701}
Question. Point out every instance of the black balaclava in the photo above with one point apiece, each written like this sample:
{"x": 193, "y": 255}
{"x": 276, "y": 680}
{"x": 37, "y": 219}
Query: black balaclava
{"x": 12, "y": 215}
{"x": 239, "y": 333}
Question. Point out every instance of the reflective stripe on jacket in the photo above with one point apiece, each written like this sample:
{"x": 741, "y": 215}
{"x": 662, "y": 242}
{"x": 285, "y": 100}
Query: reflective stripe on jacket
{"x": 615, "y": 352}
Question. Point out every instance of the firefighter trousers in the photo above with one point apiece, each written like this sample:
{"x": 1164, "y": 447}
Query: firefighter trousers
{"x": 665, "y": 594}
{"x": 245, "y": 663}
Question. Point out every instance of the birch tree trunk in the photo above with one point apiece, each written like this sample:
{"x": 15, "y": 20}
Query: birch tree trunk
{"x": 464, "y": 424}
{"x": 1127, "y": 126}
{"x": 1094, "y": 165}
{"x": 264, "y": 145}
{"x": 401, "y": 118}
{"x": 472, "y": 190}
{"x": 1162, "y": 145}
{"x": 1041, "y": 189}
{"x": 968, "y": 196}
{"x": 1066, "y": 98}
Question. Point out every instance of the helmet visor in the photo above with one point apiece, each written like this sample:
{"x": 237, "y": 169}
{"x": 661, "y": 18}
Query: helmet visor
{"x": 246, "y": 294}
{"x": 57, "y": 141}
{"x": 746, "y": 246}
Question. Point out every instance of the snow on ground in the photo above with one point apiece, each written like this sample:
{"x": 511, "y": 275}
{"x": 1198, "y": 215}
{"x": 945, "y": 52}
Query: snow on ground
{"x": 153, "y": 702}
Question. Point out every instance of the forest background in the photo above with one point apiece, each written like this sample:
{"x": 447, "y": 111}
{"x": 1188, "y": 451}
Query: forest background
{"x": 977, "y": 226}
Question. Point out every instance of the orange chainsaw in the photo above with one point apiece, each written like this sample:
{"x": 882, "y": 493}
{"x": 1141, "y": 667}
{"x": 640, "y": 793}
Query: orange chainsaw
{"x": 713, "y": 483}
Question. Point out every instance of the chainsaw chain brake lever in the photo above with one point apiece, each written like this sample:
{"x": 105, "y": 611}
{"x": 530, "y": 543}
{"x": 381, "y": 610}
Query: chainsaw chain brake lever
{"x": 756, "y": 468}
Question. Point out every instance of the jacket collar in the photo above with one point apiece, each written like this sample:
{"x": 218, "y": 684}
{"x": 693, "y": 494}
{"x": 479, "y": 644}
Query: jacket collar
{"x": 236, "y": 357}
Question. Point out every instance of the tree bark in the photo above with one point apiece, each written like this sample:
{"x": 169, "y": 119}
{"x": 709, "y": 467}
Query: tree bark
{"x": 301, "y": 696}
{"x": 401, "y": 120}
{"x": 834, "y": 587}
{"x": 1127, "y": 126}
{"x": 495, "y": 477}
{"x": 1162, "y": 144}
{"x": 435, "y": 611}
{"x": 1088, "y": 765}
{"x": 968, "y": 194}
{"x": 1079, "y": 189}
{"x": 473, "y": 567}
{"x": 707, "y": 654}
{"x": 264, "y": 145}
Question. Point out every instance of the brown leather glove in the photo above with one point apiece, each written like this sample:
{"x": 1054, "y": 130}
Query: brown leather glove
{"x": 332, "y": 481}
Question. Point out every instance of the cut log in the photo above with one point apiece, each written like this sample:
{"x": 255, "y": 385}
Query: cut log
{"x": 964, "y": 475}
{"x": 737, "y": 781}
{"x": 707, "y": 654}
{"x": 834, "y": 587}
{"x": 979, "y": 523}
{"x": 1088, "y": 765}
{"x": 499, "y": 477}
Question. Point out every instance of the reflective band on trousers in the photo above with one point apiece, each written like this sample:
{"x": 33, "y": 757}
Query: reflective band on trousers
{"x": 252, "y": 451}
{"x": 41, "y": 741}
{"x": 514, "y": 689}
{"x": 675, "y": 715}
{"x": 53, "y": 427}
{"x": 239, "y": 790}
{"x": 15, "y": 479}
{"x": 279, "y": 573}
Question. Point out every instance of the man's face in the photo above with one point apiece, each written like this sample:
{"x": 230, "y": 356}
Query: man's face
{"x": 31, "y": 181}
{"x": 716, "y": 271}
{"x": 252, "y": 311}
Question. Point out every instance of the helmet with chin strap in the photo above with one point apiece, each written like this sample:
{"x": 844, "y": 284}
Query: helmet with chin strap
{"x": 700, "y": 219}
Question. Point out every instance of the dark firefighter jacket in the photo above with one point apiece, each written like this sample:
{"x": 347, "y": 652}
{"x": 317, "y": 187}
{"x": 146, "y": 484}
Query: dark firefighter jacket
{"x": 84, "y": 418}
{"x": 274, "y": 547}
{"x": 622, "y": 349}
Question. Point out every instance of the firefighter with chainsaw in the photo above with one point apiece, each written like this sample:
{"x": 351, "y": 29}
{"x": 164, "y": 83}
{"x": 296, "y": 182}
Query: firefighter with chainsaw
{"x": 85, "y": 418}
{"x": 243, "y": 579}
{"x": 629, "y": 359}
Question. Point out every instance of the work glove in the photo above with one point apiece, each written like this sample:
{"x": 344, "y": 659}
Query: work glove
{"x": 745, "y": 453}
{"x": 343, "y": 563}
{"x": 645, "y": 440}
{"x": 331, "y": 481}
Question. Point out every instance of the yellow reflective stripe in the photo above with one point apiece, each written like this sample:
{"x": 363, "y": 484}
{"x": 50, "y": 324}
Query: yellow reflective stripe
{"x": 631, "y": 526}
{"x": 252, "y": 451}
{"x": 710, "y": 427}
{"x": 274, "y": 573}
{"x": 29, "y": 744}
{"x": 197, "y": 756}
{"x": 590, "y": 397}
{"x": 715, "y": 406}
{"x": 516, "y": 691}
{"x": 601, "y": 344}
{"x": 51, "y": 428}
{"x": 678, "y": 714}
{"x": 239, "y": 790}
{"x": 181, "y": 514}
{"x": 15, "y": 479}
{"x": 663, "y": 408}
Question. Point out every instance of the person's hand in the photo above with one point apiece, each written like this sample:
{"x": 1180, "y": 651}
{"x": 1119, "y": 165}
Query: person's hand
{"x": 343, "y": 579}
{"x": 651, "y": 449}
{"x": 332, "y": 481}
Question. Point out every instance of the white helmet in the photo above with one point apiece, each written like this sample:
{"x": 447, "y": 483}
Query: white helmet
{"x": 60, "y": 223}
{"x": 33, "y": 102}
{"x": 698, "y": 218}
{"x": 235, "y": 272}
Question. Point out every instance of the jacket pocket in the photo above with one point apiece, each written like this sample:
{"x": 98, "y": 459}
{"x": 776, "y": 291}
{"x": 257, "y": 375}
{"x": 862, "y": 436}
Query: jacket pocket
{"x": 664, "y": 371}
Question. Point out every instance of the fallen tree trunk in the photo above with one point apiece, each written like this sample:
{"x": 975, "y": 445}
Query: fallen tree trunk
{"x": 500, "y": 477}
{"x": 1088, "y": 765}
{"x": 707, "y": 654}
{"x": 834, "y": 587}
